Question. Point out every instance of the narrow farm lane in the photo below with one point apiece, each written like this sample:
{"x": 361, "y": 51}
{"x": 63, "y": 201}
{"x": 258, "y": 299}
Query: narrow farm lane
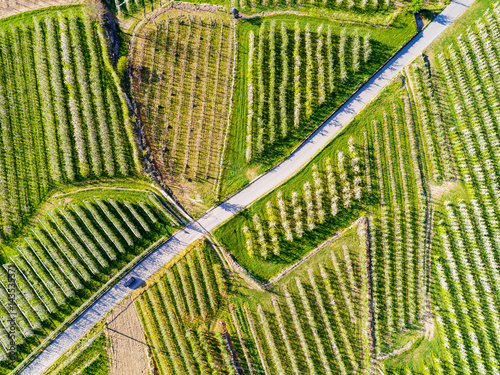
{"x": 255, "y": 190}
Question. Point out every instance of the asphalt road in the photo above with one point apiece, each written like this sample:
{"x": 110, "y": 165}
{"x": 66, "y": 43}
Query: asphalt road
{"x": 252, "y": 192}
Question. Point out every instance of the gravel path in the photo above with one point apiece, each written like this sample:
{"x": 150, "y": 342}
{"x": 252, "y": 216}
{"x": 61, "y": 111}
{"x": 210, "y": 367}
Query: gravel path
{"x": 255, "y": 190}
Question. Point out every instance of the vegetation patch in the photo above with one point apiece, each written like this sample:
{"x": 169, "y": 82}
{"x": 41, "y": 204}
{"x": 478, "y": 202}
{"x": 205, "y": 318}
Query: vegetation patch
{"x": 63, "y": 119}
{"x": 69, "y": 253}
{"x": 178, "y": 313}
{"x": 182, "y": 73}
{"x": 306, "y": 322}
{"x": 292, "y": 73}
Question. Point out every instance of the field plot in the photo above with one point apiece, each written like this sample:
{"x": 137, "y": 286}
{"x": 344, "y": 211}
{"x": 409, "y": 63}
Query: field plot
{"x": 382, "y": 255}
{"x": 371, "y": 167}
{"x": 292, "y": 73}
{"x": 182, "y": 74}
{"x": 177, "y": 311}
{"x": 463, "y": 78}
{"x": 69, "y": 254}
{"x": 57, "y": 86}
{"x": 128, "y": 350}
{"x": 316, "y": 319}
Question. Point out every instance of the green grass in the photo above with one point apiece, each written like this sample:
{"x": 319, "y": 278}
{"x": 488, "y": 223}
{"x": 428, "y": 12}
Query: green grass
{"x": 457, "y": 193}
{"x": 224, "y": 3}
{"x": 91, "y": 361}
{"x": 386, "y": 41}
{"x": 230, "y": 235}
{"x": 379, "y": 18}
{"x": 381, "y": 15}
{"x": 475, "y": 10}
{"x": 401, "y": 340}
{"x": 26, "y": 18}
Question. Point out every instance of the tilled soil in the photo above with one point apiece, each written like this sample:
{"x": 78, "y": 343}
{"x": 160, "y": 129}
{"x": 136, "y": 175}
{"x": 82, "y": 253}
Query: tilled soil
{"x": 128, "y": 352}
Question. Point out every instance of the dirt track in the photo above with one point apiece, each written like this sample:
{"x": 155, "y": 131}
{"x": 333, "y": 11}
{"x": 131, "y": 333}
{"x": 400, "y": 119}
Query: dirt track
{"x": 128, "y": 352}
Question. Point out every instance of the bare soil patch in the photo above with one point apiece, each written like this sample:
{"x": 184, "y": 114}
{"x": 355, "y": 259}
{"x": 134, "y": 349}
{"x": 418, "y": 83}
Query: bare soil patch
{"x": 429, "y": 328}
{"x": 11, "y": 7}
{"x": 128, "y": 351}
{"x": 252, "y": 173}
{"x": 437, "y": 191}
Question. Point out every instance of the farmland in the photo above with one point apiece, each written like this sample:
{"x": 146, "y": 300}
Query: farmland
{"x": 207, "y": 146}
{"x": 70, "y": 252}
{"x": 88, "y": 356}
{"x": 380, "y": 254}
{"x": 295, "y": 72}
{"x": 379, "y": 12}
{"x": 331, "y": 192}
{"x": 313, "y": 327}
{"x": 182, "y": 74}
{"x": 465, "y": 259}
{"x": 465, "y": 253}
{"x": 306, "y": 97}
{"x": 428, "y": 254}
{"x": 55, "y": 128}
{"x": 364, "y": 172}
{"x": 175, "y": 308}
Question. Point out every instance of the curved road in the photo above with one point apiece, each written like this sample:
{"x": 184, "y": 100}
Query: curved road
{"x": 252, "y": 192}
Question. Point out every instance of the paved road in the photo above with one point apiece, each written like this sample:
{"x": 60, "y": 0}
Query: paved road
{"x": 256, "y": 189}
